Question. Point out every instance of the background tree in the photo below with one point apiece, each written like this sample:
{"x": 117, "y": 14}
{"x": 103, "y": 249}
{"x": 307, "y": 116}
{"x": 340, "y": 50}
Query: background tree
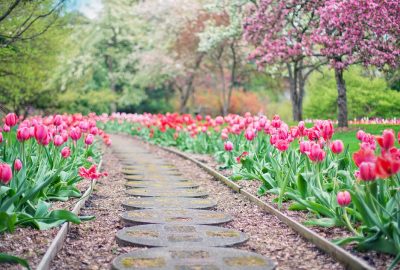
{"x": 281, "y": 32}
{"x": 354, "y": 32}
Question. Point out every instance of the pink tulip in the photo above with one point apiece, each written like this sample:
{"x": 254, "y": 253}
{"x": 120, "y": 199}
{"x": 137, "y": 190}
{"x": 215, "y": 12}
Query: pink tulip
{"x": 41, "y": 134}
{"x": 58, "y": 140}
{"x": 249, "y": 134}
{"x": 17, "y": 165}
{"x": 228, "y": 145}
{"x": 219, "y": 120}
{"x": 5, "y": 173}
{"x": 282, "y": 145}
{"x": 89, "y": 139}
{"x": 57, "y": 121}
{"x": 6, "y": 128}
{"x": 337, "y": 146}
{"x": 94, "y": 130}
{"x": 343, "y": 198}
{"x": 65, "y": 152}
{"x": 75, "y": 133}
{"x": 305, "y": 147}
{"x": 23, "y": 134}
{"x": 360, "y": 135}
{"x": 1, "y": 137}
{"x": 316, "y": 153}
{"x": 367, "y": 171}
{"x": 11, "y": 119}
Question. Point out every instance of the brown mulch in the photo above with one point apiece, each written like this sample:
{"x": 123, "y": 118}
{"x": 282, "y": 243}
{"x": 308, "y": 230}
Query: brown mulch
{"x": 31, "y": 244}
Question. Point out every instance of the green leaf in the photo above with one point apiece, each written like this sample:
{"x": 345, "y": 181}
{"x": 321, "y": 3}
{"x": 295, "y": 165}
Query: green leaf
{"x": 302, "y": 186}
{"x": 65, "y": 215}
{"x": 6, "y": 258}
{"x": 323, "y": 222}
{"x": 7, "y": 221}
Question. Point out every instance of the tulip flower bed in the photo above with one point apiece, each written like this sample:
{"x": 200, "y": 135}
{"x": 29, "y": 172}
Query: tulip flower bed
{"x": 41, "y": 161}
{"x": 304, "y": 166}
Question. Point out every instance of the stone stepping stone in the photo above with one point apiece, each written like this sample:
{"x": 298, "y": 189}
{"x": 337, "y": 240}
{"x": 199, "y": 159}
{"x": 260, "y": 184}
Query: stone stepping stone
{"x": 192, "y": 258}
{"x": 161, "y": 184}
{"x": 144, "y": 192}
{"x": 176, "y": 216}
{"x": 168, "y": 202}
{"x": 155, "y": 178}
{"x": 145, "y": 171}
{"x": 131, "y": 162}
{"x": 161, "y": 167}
{"x": 165, "y": 235}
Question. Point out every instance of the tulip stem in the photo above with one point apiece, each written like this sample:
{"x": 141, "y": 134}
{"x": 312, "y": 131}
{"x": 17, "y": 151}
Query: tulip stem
{"x": 348, "y": 223}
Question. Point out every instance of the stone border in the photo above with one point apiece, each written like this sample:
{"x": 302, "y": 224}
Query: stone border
{"x": 341, "y": 255}
{"x": 58, "y": 241}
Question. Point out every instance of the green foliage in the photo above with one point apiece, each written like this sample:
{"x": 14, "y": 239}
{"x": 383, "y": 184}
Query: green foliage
{"x": 97, "y": 101}
{"x": 366, "y": 96}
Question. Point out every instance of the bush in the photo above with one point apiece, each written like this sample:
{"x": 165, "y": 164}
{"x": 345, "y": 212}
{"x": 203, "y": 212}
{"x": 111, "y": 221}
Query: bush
{"x": 366, "y": 96}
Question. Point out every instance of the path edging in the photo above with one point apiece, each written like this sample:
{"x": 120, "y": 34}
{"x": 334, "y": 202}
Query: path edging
{"x": 341, "y": 255}
{"x": 58, "y": 241}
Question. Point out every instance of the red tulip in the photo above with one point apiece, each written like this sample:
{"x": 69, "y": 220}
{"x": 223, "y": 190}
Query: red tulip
{"x": 228, "y": 146}
{"x": 65, "y": 152}
{"x": 17, "y": 165}
{"x": 386, "y": 141}
{"x": 388, "y": 165}
{"x": 364, "y": 155}
{"x": 58, "y": 140}
{"x": 5, "y": 173}
{"x": 367, "y": 171}
{"x": 239, "y": 158}
{"x": 11, "y": 119}
{"x": 337, "y": 146}
{"x": 89, "y": 139}
{"x": 343, "y": 198}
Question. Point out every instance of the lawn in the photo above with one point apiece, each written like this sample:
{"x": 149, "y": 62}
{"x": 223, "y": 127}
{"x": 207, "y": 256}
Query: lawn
{"x": 349, "y": 136}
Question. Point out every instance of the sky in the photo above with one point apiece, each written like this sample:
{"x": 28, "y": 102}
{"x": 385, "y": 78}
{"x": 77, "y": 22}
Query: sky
{"x": 89, "y": 8}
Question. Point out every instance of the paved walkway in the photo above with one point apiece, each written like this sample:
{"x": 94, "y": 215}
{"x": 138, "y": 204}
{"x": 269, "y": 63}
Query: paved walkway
{"x": 167, "y": 213}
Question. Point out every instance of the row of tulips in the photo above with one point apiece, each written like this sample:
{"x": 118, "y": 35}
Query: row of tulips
{"x": 41, "y": 161}
{"x": 301, "y": 166}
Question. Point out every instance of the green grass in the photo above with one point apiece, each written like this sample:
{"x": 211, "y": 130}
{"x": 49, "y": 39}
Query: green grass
{"x": 349, "y": 136}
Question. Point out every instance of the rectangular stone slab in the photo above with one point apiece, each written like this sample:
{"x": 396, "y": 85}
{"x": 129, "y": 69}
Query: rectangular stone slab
{"x": 198, "y": 258}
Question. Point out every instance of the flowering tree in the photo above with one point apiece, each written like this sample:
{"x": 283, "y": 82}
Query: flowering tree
{"x": 353, "y": 32}
{"x": 282, "y": 34}
{"x": 222, "y": 41}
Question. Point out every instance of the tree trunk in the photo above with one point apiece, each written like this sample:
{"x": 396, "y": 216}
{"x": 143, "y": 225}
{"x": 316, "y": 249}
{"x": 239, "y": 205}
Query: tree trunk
{"x": 233, "y": 77}
{"x": 296, "y": 82}
{"x": 294, "y": 92}
{"x": 342, "y": 99}
{"x": 188, "y": 89}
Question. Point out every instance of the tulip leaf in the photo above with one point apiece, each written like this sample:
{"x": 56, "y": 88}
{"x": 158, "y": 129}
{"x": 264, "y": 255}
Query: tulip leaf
{"x": 302, "y": 185}
{"x": 6, "y": 258}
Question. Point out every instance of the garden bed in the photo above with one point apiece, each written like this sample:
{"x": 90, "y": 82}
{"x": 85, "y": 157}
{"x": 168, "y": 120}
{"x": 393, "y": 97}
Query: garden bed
{"x": 375, "y": 259}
